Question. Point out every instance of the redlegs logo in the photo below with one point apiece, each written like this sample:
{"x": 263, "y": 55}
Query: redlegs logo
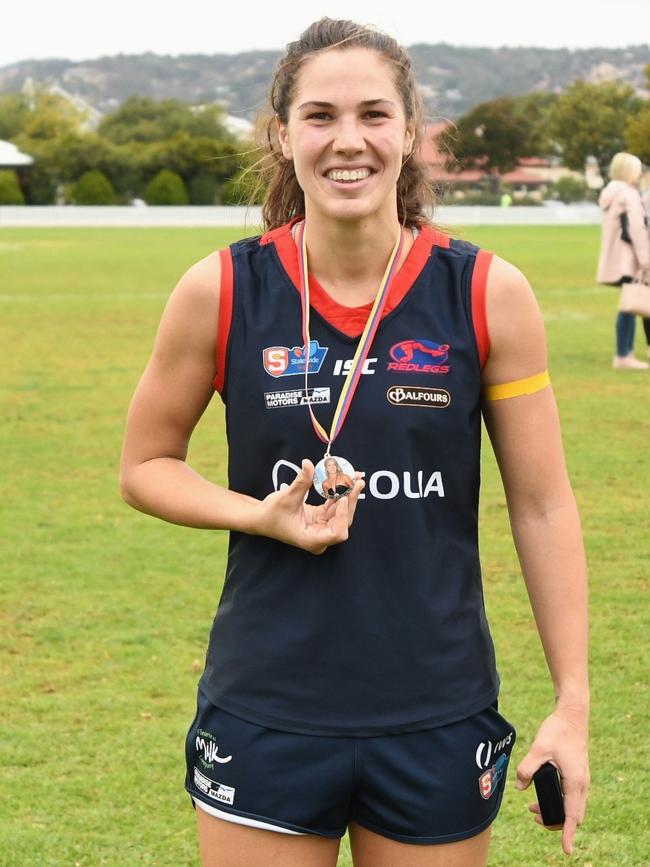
{"x": 419, "y": 356}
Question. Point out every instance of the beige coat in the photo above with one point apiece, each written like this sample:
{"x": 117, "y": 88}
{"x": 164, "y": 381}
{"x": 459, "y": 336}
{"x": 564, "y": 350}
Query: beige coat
{"x": 617, "y": 257}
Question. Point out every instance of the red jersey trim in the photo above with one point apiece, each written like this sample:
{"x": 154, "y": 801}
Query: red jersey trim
{"x": 352, "y": 320}
{"x": 479, "y": 315}
{"x": 225, "y": 317}
{"x": 270, "y": 236}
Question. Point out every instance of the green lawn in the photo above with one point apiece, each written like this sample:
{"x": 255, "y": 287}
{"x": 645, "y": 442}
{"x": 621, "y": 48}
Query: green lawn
{"x": 105, "y": 612}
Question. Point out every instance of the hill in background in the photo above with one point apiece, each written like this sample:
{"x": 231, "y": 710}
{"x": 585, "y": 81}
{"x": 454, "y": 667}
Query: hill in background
{"x": 453, "y": 79}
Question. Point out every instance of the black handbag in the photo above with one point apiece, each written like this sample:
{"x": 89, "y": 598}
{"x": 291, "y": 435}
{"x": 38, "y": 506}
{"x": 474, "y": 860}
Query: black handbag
{"x": 625, "y": 228}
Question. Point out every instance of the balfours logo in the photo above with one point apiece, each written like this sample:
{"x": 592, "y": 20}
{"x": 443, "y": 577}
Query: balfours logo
{"x": 404, "y": 395}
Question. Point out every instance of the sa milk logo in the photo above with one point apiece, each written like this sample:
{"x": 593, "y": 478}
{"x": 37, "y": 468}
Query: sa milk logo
{"x": 282, "y": 361}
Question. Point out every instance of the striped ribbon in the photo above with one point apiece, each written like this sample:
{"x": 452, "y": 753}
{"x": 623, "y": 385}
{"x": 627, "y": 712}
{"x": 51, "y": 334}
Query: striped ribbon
{"x": 365, "y": 341}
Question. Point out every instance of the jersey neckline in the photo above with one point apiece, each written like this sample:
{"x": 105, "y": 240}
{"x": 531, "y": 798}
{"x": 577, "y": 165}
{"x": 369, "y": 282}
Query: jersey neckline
{"x": 351, "y": 321}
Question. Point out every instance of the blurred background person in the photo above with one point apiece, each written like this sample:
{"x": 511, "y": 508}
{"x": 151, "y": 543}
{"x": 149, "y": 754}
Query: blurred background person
{"x": 624, "y": 248}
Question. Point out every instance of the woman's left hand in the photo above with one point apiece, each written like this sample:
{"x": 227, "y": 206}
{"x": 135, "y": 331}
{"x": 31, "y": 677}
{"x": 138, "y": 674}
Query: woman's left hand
{"x": 561, "y": 740}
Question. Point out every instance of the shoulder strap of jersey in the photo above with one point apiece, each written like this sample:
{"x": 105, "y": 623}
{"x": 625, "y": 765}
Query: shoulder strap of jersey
{"x": 479, "y": 315}
{"x": 225, "y": 317}
{"x": 436, "y": 238}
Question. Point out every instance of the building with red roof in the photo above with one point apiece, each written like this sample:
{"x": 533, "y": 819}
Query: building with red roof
{"x": 531, "y": 177}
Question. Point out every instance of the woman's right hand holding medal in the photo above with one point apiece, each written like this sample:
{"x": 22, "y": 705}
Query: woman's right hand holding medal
{"x": 284, "y": 515}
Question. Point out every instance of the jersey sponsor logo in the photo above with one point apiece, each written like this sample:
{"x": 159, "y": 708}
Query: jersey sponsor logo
{"x": 488, "y": 781}
{"x": 380, "y": 485}
{"x": 216, "y": 791}
{"x": 206, "y": 744}
{"x": 282, "y": 361}
{"x": 342, "y": 368}
{"x": 419, "y": 356}
{"x": 405, "y": 395}
{"x": 296, "y": 397}
{"x": 486, "y": 749}
{"x": 284, "y": 473}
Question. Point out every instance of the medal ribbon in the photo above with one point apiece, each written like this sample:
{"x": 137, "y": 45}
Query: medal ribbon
{"x": 365, "y": 341}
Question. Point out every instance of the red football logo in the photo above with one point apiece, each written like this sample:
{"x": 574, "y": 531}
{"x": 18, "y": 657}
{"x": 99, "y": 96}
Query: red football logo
{"x": 276, "y": 360}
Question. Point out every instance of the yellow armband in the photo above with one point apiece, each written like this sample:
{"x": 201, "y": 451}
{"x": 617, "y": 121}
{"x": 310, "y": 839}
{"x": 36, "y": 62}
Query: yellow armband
{"x": 517, "y": 388}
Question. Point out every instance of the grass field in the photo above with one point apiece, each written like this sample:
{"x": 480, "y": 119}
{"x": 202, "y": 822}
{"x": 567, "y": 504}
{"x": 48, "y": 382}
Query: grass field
{"x": 105, "y": 612}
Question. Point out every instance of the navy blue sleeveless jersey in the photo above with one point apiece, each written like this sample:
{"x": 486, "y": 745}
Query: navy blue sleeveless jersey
{"x": 385, "y": 632}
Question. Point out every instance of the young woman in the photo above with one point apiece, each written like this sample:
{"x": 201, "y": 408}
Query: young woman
{"x": 624, "y": 255}
{"x": 357, "y": 689}
{"x": 337, "y": 483}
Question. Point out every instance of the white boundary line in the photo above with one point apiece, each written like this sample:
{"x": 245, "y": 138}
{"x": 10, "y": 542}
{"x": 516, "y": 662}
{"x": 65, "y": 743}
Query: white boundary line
{"x": 250, "y": 218}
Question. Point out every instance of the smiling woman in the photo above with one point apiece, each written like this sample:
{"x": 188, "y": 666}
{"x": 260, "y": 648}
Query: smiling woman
{"x": 347, "y": 151}
{"x": 385, "y": 105}
{"x": 358, "y": 689}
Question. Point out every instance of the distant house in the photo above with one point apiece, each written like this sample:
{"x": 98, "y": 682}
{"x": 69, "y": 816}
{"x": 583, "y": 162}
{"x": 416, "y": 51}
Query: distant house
{"x": 12, "y": 158}
{"x": 238, "y": 126}
{"x": 439, "y": 162}
{"x": 531, "y": 177}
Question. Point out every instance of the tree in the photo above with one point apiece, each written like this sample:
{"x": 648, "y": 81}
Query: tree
{"x": 13, "y": 110}
{"x": 244, "y": 188}
{"x": 10, "y": 192}
{"x": 142, "y": 119}
{"x": 569, "y": 189}
{"x": 133, "y": 144}
{"x": 167, "y": 188}
{"x": 93, "y": 188}
{"x": 534, "y": 109}
{"x": 202, "y": 189}
{"x": 637, "y": 132}
{"x": 61, "y": 160}
{"x": 590, "y": 120}
{"x": 491, "y": 136}
{"x": 50, "y": 115}
{"x": 42, "y": 178}
{"x": 186, "y": 139}
{"x": 203, "y": 164}
{"x": 38, "y": 114}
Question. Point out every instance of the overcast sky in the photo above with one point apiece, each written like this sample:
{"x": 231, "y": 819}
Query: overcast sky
{"x": 84, "y": 30}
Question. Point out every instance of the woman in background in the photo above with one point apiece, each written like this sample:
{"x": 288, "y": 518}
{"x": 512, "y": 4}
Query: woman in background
{"x": 624, "y": 249}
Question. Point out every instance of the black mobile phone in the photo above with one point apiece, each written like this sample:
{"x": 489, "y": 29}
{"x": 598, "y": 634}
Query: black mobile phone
{"x": 549, "y": 794}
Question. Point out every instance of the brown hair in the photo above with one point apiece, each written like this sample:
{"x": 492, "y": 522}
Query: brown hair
{"x": 284, "y": 198}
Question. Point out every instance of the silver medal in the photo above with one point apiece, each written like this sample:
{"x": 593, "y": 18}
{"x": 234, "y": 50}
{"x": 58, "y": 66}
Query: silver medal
{"x": 334, "y": 477}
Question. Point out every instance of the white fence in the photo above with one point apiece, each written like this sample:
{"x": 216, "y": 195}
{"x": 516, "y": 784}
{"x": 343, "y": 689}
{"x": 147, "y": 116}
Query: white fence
{"x": 90, "y": 215}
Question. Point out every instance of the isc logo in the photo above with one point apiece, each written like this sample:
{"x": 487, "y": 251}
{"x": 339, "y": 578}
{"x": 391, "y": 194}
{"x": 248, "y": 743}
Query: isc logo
{"x": 342, "y": 368}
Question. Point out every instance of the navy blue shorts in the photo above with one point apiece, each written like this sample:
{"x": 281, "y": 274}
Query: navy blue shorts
{"x": 431, "y": 786}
